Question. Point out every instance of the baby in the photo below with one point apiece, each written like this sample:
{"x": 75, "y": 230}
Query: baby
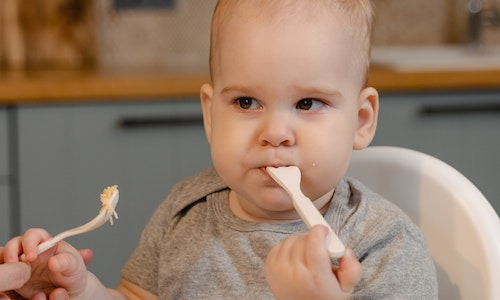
{"x": 288, "y": 88}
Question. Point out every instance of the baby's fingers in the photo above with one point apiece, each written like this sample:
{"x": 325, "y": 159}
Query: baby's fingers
{"x": 31, "y": 239}
{"x": 317, "y": 254}
{"x": 1, "y": 256}
{"x": 59, "y": 294}
{"x": 86, "y": 255}
{"x": 348, "y": 272}
{"x": 66, "y": 263}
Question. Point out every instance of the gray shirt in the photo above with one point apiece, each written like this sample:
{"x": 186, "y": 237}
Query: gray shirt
{"x": 195, "y": 248}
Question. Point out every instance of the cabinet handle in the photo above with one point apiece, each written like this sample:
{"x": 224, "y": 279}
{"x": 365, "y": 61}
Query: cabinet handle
{"x": 159, "y": 121}
{"x": 431, "y": 110}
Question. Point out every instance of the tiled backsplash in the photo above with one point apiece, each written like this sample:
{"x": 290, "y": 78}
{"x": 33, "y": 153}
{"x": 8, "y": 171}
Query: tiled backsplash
{"x": 180, "y": 37}
{"x": 411, "y": 22}
{"x": 175, "y": 38}
{"x": 428, "y": 22}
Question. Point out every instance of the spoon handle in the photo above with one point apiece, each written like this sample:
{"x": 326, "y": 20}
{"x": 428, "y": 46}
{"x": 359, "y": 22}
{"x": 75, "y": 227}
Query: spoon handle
{"x": 312, "y": 217}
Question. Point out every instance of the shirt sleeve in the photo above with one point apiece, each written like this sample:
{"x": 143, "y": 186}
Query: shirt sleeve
{"x": 396, "y": 265}
{"x": 392, "y": 250}
{"x": 142, "y": 266}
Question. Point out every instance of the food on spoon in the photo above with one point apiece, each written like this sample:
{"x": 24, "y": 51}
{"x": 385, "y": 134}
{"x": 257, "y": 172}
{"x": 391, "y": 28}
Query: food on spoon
{"x": 106, "y": 195}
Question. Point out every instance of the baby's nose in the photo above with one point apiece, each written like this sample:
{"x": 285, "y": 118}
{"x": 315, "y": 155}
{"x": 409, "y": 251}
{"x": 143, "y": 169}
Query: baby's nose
{"x": 277, "y": 130}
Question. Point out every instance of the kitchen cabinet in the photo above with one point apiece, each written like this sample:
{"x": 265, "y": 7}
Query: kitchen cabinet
{"x": 4, "y": 179}
{"x": 4, "y": 166}
{"x": 4, "y": 215}
{"x": 69, "y": 153}
{"x": 462, "y": 129}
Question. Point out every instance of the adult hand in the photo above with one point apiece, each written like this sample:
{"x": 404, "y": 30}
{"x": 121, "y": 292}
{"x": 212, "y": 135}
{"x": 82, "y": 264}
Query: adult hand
{"x": 58, "y": 272}
{"x": 299, "y": 268}
{"x": 13, "y": 275}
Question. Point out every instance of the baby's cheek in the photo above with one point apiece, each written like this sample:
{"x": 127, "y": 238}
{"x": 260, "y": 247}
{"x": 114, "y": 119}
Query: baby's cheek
{"x": 319, "y": 182}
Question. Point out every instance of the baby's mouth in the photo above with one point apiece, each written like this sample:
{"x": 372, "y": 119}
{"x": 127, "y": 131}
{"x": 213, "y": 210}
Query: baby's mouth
{"x": 278, "y": 165}
{"x": 264, "y": 168}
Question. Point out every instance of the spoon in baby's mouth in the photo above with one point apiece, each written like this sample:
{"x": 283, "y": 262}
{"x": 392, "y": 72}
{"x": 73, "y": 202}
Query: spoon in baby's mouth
{"x": 289, "y": 179}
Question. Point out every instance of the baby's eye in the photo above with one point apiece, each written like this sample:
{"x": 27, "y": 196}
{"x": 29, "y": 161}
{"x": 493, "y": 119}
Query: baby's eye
{"x": 248, "y": 103}
{"x": 309, "y": 103}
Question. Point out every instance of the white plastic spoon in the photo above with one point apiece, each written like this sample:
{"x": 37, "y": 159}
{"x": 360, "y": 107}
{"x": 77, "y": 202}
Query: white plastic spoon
{"x": 109, "y": 199}
{"x": 289, "y": 179}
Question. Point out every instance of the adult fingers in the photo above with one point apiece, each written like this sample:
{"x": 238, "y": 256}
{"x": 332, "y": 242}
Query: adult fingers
{"x": 13, "y": 275}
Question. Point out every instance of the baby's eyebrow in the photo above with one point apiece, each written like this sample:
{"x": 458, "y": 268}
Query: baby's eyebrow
{"x": 235, "y": 88}
{"x": 319, "y": 90}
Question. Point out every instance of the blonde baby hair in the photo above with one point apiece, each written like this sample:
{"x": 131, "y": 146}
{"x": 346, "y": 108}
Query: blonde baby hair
{"x": 356, "y": 17}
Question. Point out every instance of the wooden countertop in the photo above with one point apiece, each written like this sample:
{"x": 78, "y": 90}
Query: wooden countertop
{"x": 387, "y": 80}
{"x": 111, "y": 85}
{"x": 97, "y": 85}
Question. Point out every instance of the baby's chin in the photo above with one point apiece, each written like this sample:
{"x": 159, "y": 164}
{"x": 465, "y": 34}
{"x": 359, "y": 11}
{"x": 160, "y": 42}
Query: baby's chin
{"x": 268, "y": 207}
{"x": 272, "y": 199}
{"x": 318, "y": 194}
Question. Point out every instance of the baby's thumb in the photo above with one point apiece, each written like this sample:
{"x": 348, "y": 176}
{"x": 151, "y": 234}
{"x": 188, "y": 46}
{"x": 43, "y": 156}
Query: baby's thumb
{"x": 349, "y": 271}
{"x": 67, "y": 264}
{"x": 86, "y": 255}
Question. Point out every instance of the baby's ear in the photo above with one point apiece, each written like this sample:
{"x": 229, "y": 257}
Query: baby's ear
{"x": 367, "y": 118}
{"x": 206, "y": 94}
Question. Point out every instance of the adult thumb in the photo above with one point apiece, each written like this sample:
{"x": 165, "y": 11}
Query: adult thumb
{"x": 14, "y": 275}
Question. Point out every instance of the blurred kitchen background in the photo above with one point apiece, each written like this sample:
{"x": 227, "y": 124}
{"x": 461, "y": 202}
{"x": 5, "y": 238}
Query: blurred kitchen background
{"x": 175, "y": 33}
{"x": 102, "y": 92}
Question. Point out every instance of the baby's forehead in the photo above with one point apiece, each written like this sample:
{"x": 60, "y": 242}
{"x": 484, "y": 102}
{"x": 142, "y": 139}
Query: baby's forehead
{"x": 273, "y": 11}
{"x": 351, "y": 16}
{"x": 235, "y": 15}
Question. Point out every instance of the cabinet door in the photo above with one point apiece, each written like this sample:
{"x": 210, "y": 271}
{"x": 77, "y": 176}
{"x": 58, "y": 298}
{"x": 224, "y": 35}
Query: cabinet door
{"x": 69, "y": 153}
{"x": 4, "y": 146}
{"x": 4, "y": 215}
{"x": 4, "y": 179}
{"x": 461, "y": 129}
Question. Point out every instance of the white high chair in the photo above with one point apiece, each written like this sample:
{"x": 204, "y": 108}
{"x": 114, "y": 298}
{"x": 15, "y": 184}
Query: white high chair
{"x": 461, "y": 227}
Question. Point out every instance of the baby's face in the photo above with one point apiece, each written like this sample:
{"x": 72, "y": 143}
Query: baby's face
{"x": 282, "y": 96}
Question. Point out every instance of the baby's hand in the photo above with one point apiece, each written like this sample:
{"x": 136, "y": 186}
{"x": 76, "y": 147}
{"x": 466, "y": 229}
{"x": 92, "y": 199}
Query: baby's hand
{"x": 299, "y": 268}
{"x": 59, "y": 271}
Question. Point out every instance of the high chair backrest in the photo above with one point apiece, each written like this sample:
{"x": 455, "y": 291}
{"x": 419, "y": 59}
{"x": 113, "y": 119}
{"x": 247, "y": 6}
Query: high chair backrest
{"x": 461, "y": 227}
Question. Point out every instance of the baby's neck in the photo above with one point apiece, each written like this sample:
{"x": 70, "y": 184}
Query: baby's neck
{"x": 322, "y": 204}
